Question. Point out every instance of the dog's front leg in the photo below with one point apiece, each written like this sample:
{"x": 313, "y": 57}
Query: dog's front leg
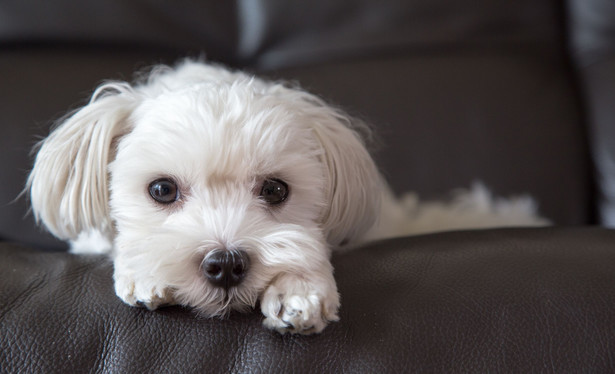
{"x": 301, "y": 303}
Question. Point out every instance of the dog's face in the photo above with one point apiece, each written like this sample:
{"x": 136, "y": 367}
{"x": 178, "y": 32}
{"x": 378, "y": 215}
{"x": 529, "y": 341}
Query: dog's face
{"x": 205, "y": 171}
{"x": 217, "y": 190}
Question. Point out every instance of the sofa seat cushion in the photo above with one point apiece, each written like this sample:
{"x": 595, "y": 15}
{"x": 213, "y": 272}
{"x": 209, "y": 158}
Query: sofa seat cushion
{"x": 513, "y": 300}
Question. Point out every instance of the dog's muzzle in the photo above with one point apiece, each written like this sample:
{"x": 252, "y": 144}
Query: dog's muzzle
{"x": 226, "y": 268}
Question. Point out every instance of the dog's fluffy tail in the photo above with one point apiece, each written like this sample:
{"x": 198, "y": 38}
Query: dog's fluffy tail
{"x": 473, "y": 208}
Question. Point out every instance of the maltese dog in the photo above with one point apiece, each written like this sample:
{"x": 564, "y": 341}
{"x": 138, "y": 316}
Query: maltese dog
{"x": 220, "y": 191}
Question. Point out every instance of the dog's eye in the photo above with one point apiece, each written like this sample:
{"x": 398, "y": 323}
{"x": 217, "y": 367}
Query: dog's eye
{"x": 274, "y": 191}
{"x": 163, "y": 191}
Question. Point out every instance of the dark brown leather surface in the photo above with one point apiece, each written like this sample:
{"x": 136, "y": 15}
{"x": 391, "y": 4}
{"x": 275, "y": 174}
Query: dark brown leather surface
{"x": 506, "y": 301}
{"x": 279, "y": 33}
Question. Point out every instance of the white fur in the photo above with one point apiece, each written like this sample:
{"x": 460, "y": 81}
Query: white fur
{"x": 219, "y": 134}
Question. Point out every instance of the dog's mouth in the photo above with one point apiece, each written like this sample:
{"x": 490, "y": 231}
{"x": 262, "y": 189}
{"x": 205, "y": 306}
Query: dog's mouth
{"x": 221, "y": 302}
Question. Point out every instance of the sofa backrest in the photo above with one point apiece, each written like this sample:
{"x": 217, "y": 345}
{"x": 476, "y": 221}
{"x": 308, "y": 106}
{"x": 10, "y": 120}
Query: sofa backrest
{"x": 457, "y": 91}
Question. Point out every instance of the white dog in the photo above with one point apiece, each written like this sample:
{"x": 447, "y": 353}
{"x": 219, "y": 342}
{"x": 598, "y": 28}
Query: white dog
{"x": 214, "y": 189}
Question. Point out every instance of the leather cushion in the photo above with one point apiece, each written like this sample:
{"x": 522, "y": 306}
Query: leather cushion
{"x": 485, "y": 301}
{"x": 280, "y": 33}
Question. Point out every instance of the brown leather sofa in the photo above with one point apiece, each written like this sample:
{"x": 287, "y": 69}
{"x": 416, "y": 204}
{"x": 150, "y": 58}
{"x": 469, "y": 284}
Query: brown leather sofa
{"x": 520, "y": 95}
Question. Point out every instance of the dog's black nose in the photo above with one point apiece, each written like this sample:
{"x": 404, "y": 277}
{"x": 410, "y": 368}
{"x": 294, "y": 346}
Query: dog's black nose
{"x": 226, "y": 268}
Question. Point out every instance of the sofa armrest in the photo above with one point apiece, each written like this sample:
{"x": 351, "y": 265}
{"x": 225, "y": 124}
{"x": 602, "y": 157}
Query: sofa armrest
{"x": 510, "y": 300}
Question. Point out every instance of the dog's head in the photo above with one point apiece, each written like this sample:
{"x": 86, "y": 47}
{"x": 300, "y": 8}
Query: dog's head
{"x": 210, "y": 180}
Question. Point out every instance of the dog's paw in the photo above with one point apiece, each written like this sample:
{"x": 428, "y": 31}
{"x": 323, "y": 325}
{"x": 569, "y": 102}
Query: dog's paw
{"x": 144, "y": 293}
{"x": 292, "y": 304}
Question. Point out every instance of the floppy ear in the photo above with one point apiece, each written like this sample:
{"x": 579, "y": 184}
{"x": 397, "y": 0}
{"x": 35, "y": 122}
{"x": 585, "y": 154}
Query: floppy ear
{"x": 68, "y": 183}
{"x": 354, "y": 183}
